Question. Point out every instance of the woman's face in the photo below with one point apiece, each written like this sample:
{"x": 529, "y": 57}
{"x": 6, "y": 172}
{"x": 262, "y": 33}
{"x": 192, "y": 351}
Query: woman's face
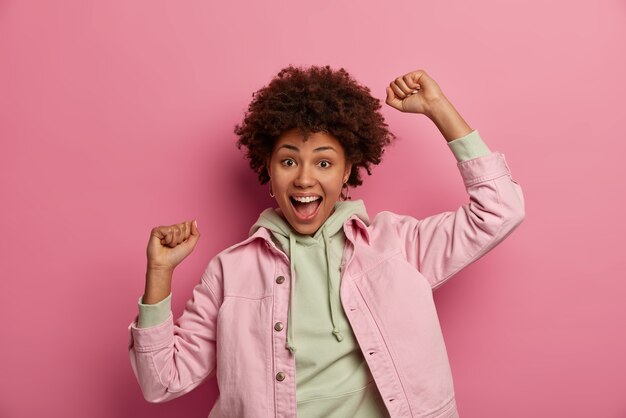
{"x": 307, "y": 178}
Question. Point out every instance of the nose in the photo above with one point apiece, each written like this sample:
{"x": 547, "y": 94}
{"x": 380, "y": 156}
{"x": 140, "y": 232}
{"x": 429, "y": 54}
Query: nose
{"x": 305, "y": 177}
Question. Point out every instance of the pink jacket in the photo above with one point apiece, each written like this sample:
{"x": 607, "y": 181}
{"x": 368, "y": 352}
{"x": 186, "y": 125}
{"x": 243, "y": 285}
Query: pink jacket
{"x": 389, "y": 271}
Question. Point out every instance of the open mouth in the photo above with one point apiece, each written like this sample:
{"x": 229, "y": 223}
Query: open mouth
{"x": 306, "y": 208}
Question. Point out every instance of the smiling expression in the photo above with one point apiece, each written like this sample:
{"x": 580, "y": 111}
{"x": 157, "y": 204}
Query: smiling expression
{"x": 307, "y": 177}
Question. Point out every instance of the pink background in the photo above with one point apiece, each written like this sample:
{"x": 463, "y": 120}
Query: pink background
{"x": 117, "y": 116}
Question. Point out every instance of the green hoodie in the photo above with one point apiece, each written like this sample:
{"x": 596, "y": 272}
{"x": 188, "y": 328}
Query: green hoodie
{"x": 332, "y": 376}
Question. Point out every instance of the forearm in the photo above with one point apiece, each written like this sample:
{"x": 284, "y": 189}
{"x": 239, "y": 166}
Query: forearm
{"x": 448, "y": 120}
{"x": 158, "y": 285}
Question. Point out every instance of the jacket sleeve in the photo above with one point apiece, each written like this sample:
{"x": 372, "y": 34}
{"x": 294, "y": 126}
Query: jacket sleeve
{"x": 441, "y": 245}
{"x": 172, "y": 358}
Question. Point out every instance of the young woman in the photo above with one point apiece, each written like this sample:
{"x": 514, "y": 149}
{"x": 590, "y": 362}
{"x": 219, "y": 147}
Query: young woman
{"x": 321, "y": 312}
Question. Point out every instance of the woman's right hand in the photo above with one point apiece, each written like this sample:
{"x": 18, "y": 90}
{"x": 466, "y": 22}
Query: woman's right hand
{"x": 414, "y": 92}
{"x": 169, "y": 245}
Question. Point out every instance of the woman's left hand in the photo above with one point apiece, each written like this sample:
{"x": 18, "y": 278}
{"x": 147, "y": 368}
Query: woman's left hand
{"x": 414, "y": 92}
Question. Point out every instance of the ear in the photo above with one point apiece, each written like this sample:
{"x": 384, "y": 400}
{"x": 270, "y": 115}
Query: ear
{"x": 347, "y": 172}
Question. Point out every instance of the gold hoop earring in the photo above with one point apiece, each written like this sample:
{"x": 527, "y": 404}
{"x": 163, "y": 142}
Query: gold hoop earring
{"x": 271, "y": 193}
{"x": 347, "y": 195}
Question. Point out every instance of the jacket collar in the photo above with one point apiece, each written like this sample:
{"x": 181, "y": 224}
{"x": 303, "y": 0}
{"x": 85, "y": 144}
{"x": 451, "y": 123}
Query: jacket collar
{"x": 354, "y": 226}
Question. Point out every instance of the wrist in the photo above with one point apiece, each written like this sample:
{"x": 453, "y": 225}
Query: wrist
{"x": 449, "y": 122}
{"x": 435, "y": 107}
{"x": 159, "y": 269}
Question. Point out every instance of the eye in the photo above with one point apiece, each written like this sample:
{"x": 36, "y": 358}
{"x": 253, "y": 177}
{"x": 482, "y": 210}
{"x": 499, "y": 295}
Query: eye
{"x": 325, "y": 163}
{"x": 286, "y": 162}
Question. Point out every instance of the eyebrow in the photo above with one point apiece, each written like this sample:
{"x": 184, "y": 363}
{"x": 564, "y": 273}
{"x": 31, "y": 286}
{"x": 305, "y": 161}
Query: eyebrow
{"x": 294, "y": 148}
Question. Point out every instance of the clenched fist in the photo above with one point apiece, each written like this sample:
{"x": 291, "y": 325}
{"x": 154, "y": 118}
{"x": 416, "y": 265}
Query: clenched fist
{"x": 414, "y": 92}
{"x": 169, "y": 245}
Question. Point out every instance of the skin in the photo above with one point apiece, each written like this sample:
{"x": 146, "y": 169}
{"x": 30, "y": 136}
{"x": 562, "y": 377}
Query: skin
{"x": 417, "y": 92}
{"x": 413, "y": 92}
{"x": 315, "y": 166}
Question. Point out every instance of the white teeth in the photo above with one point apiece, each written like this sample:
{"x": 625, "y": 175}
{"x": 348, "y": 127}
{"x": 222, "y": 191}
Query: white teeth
{"x": 306, "y": 199}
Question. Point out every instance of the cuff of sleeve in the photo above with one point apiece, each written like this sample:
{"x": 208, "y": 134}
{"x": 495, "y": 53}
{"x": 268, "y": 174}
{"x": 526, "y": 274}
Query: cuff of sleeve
{"x": 469, "y": 146}
{"x": 153, "y": 314}
{"x": 483, "y": 168}
{"x": 151, "y": 338}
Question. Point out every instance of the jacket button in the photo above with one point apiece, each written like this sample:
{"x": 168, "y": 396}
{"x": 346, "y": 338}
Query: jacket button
{"x": 278, "y": 326}
{"x": 280, "y": 279}
{"x": 280, "y": 376}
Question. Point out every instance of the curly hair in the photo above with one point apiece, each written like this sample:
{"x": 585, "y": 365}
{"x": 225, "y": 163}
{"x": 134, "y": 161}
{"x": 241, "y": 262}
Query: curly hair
{"x": 316, "y": 99}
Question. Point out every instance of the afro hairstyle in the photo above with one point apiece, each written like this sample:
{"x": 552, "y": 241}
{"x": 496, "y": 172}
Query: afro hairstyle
{"x": 315, "y": 99}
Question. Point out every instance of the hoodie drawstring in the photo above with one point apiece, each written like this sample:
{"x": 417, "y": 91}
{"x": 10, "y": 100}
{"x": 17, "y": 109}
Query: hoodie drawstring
{"x": 331, "y": 299}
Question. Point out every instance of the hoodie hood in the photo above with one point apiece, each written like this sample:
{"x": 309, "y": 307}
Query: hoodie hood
{"x": 289, "y": 240}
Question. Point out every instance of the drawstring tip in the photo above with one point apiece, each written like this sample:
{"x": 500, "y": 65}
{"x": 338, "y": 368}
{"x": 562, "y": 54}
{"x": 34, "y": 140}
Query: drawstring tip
{"x": 291, "y": 347}
{"x": 338, "y": 334}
